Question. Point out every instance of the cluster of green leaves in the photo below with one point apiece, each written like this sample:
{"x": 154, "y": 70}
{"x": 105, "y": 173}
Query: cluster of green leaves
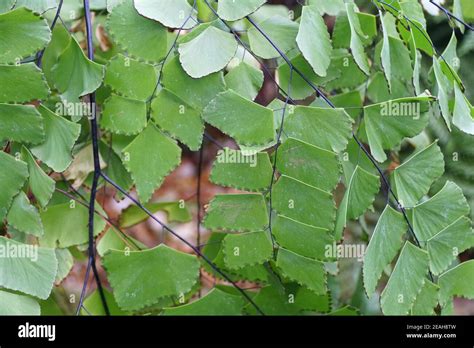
{"x": 166, "y": 70}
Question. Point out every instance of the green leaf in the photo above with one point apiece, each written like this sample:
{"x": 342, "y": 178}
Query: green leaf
{"x": 170, "y": 13}
{"x": 307, "y": 300}
{"x": 74, "y": 75}
{"x": 457, "y": 282}
{"x": 61, "y": 136}
{"x": 384, "y": 245}
{"x": 175, "y": 274}
{"x": 12, "y": 177}
{"x": 60, "y": 40}
{"x": 247, "y": 249}
{"x": 23, "y": 34}
{"x": 388, "y": 123}
{"x": 27, "y": 268}
{"x": 122, "y": 115}
{"x": 247, "y": 122}
{"x": 94, "y": 305}
{"x": 24, "y": 217}
{"x": 41, "y": 185}
{"x": 13, "y": 304}
{"x": 305, "y": 240}
{"x": 282, "y": 32}
{"x": 427, "y": 220}
{"x": 309, "y": 164}
{"x": 463, "y": 116}
{"x": 303, "y": 203}
{"x": 326, "y": 128}
{"x": 342, "y": 30}
{"x": 65, "y": 263}
{"x": 22, "y": 83}
{"x": 414, "y": 177}
{"x": 317, "y": 52}
{"x": 176, "y": 117}
{"x": 427, "y": 300}
{"x": 195, "y": 92}
{"x": 237, "y": 213}
{"x": 307, "y": 272}
{"x": 21, "y": 123}
{"x": 131, "y": 78}
{"x": 231, "y": 10}
{"x": 233, "y": 168}
{"x": 113, "y": 239}
{"x": 134, "y": 215}
{"x": 149, "y": 158}
{"x": 359, "y": 196}
{"x": 406, "y": 281}
{"x": 245, "y": 79}
{"x": 137, "y": 35}
{"x": 39, "y": 6}
{"x": 194, "y": 54}
{"x": 357, "y": 35}
{"x": 66, "y": 225}
{"x": 216, "y": 302}
{"x": 444, "y": 90}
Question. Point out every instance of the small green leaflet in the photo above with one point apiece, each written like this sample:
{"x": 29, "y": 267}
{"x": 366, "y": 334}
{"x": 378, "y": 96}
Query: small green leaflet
{"x": 33, "y": 274}
{"x": 357, "y": 35}
{"x": 175, "y": 274}
{"x": 22, "y": 83}
{"x": 414, "y": 177}
{"x": 426, "y": 300}
{"x": 237, "y": 213}
{"x": 177, "y": 118}
{"x": 21, "y": 123}
{"x": 65, "y": 264}
{"x": 247, "y": 249}
{"x": 248, "y": 123}
{"x": 14, "y": 304}
{"x": 245, "y": 79}
{"x": 332, "y": 8}
{"x": 61, "y": 135}
{"x": 463, "y": 115}
{"x": 457, "y": 282}
{"x": 113, "y": 239}
{"x": 317, "y": 52}
{"x": 233, "y": 168}
{"x": 122, "y": 115}
{"x": 38, "y": 6}
{"x": 24, "y": 217}
{"x": 444, "y": 90}
{"x": 170, "y": 13}
{"x": 384, "y": 245}
{"x": 406, "y": 281}
{"x": 12, "y": 177}
{"x": 232, "y": 10}
{"x": 177, "y": 212}
{"x": 23, "y": 34}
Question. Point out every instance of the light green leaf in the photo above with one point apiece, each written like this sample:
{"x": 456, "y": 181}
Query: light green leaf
{"x": 237, "y": 213}
{"x": 113, "y": 239}
{"x": 195, "y": 92}
{"x": 74, "y": 75}
{"x": 22, "y": 83}
{"x": 463, "y": 116}
{"x": 23, "y": 34}
{"x": 12, "y": 177}
{"x": 66, "y": 225}
{"x": 307, "y": 272}
{"x": 27, "y": 268}
{"x": 359, "y": 196}
{"x": 216, "y": 302}
{"x": 281, "y": 30}
{"x": 247, "y": 249}
{"x": 231, "y": 10}
{"x": 137, "y": 35}
{"x": 194, "y": 55}
{"x": 61, "y": 136}
{"x": 131, "y": 78}
{"x": 13, "y": 304}
{"x": 174, "y": 274}
{"x": 309, "y": 164}
{"x": 303, "y": 203}
{"x": 60, "y": 40}
{"x": 134, "y": 215}
{"x": 176, "y": 117}
{"x": 247, "y": 122}
{"x": 234, "y": 169}
{"x": 384, "y": 245}
{"x": 326, "y": 128}
{"x": 317, "y": 52}
{"x": 122, "y": 115}
{"x": 414, "y": 177}
{"x": 149, "y": 158}
{"x": 245, "y": 79}
{"x": 342, "y": 30}
{"x": 302, "y": 239}
{"x": 65, "y": 263}
{"x": 39, "y": 6}
{"x": 41, "y": 185}
{"x": 356, "y": 45}
{"x": 24, "y": 217}
{"x": 457, "y": 282}
{"x": 170, "y": 13}
{"x": 94, "y": 305}
{"x": 21, "y": 123}
{"x": 427, "y": 300}
{"x": 444, "y": 90}
{"x": 406, "y": 281}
